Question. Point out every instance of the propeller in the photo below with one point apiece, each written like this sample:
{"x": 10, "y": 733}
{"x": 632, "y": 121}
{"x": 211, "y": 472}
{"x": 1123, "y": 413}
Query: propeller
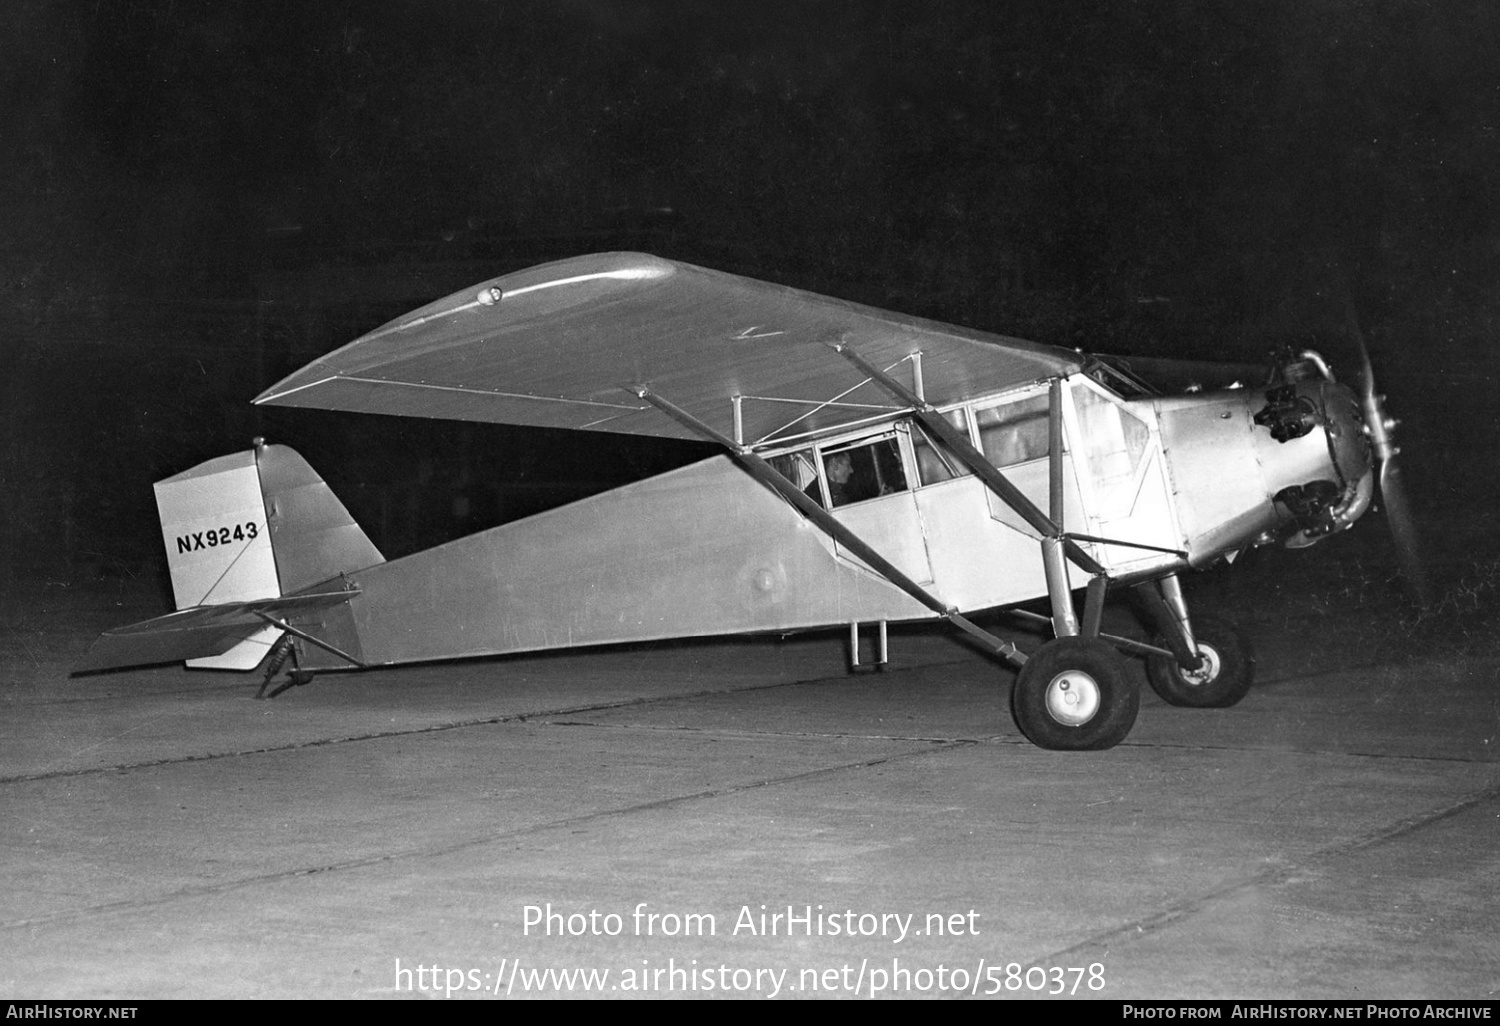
{"x": 1379, "y": 426}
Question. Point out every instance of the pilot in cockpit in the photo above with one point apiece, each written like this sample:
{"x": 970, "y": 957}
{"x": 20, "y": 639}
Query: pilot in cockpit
{"x": 840, "y": 470}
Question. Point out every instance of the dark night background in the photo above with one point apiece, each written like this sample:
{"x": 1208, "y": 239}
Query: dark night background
{"x": 199, "y": 197}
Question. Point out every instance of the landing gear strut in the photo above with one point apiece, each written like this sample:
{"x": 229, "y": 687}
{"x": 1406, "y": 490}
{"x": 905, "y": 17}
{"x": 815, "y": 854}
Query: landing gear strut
{"x": 296, "y": 677}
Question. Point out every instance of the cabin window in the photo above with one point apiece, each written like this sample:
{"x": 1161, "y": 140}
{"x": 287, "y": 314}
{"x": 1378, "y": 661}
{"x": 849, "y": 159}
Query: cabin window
{"x": 800, "y": 470}
{"x": 1014, "y": 432}
{"x": 864, "y": 470}
{"x": 934, "y": 462}
{"x": 1113, "y": 442}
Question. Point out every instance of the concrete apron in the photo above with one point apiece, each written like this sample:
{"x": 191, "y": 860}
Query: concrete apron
{"x": 165, "y": 836}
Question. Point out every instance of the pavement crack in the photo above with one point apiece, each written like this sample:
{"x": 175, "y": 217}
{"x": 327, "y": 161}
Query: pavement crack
{"x": 543, "y": 715}
{"x": 1304, "y": 750}
{"x": 814, "y": 735}
{"x": 128, "y": 905}
{"x": 1271, "y": 876}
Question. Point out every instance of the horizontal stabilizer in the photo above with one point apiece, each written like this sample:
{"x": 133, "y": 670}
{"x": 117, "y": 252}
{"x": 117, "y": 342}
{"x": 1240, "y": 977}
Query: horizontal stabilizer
{"x": 196, "y": 633}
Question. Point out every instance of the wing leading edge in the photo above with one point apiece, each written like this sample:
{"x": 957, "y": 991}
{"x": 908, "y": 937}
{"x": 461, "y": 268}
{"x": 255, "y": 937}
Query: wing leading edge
{"x": 560, "y": 345}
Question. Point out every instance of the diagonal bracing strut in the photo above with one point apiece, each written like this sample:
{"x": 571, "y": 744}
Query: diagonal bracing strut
{"x": 768, "y": 475}
{"x": 1057, "y": 547}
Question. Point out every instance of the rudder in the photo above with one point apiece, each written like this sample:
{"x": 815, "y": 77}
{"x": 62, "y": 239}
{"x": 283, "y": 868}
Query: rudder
{"x": 313, "y": 536}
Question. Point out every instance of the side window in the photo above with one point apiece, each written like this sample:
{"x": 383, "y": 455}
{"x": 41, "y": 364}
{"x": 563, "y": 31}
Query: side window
{"x": 934, "y": 463}
{"x": 1014, "y": 432}
{"x": 864, "y": 470}
{"x": 1113, "y": 439}
{"x": 798, "y": 468}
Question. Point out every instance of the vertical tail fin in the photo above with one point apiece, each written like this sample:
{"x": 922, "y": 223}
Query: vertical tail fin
{"x": 312, "y": 534}
{"x": 254, "y": 525}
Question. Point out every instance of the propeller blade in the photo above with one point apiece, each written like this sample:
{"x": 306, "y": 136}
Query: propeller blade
{"x": 1393, "y": 496}
{"x": 1366, "y": 371}
{"x": 1404, "y": 530}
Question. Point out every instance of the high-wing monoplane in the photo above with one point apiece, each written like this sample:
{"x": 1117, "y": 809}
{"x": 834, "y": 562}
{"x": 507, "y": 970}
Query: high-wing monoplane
{"x": 876, "y": 468}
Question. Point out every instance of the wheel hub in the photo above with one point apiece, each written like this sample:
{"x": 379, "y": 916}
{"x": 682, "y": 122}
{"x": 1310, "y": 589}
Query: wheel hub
{"x": 1073, "y": 698}
{"x": 1206, "y": 673}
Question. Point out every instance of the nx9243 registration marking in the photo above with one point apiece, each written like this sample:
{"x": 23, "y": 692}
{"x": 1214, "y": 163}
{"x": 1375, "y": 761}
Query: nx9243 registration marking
{"x": 216, "y": 536}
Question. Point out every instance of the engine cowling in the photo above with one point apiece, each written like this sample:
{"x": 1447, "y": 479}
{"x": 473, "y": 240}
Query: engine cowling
{"x": 1290, "y": 461}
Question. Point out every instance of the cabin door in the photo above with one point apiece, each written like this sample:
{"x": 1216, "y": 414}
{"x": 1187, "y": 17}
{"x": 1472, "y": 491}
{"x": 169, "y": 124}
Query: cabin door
{"x": 1117, "y": 454}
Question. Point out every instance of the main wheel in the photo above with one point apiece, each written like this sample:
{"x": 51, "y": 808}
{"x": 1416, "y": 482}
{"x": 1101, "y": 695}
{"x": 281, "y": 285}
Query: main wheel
{"x": 1074, "y": 694}
{"x": 1225, "y": 677}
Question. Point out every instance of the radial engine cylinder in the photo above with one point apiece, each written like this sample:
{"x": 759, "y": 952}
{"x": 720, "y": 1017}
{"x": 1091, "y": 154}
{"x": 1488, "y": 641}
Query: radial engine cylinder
{"x": 1250, "y": 465}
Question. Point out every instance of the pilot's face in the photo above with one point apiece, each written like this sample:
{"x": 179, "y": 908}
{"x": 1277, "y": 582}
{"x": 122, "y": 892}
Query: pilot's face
{"x": 839, "y": 468}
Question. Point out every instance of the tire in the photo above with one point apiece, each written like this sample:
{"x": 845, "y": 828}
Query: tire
{"x": 1226, "y": 676}
{"x": 1075, "y": 695}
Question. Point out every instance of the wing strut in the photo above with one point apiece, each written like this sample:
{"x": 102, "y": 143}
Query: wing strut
{"x": 1057, "y": 546}
{"x": 273, "y": 621}
{"x": 768, "y": 475}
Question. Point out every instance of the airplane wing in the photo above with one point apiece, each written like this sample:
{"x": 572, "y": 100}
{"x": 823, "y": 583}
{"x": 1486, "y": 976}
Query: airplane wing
{"x": 560, "y": 345}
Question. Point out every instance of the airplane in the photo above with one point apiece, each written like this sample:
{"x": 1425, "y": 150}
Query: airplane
{"x": 876, "y": 468}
